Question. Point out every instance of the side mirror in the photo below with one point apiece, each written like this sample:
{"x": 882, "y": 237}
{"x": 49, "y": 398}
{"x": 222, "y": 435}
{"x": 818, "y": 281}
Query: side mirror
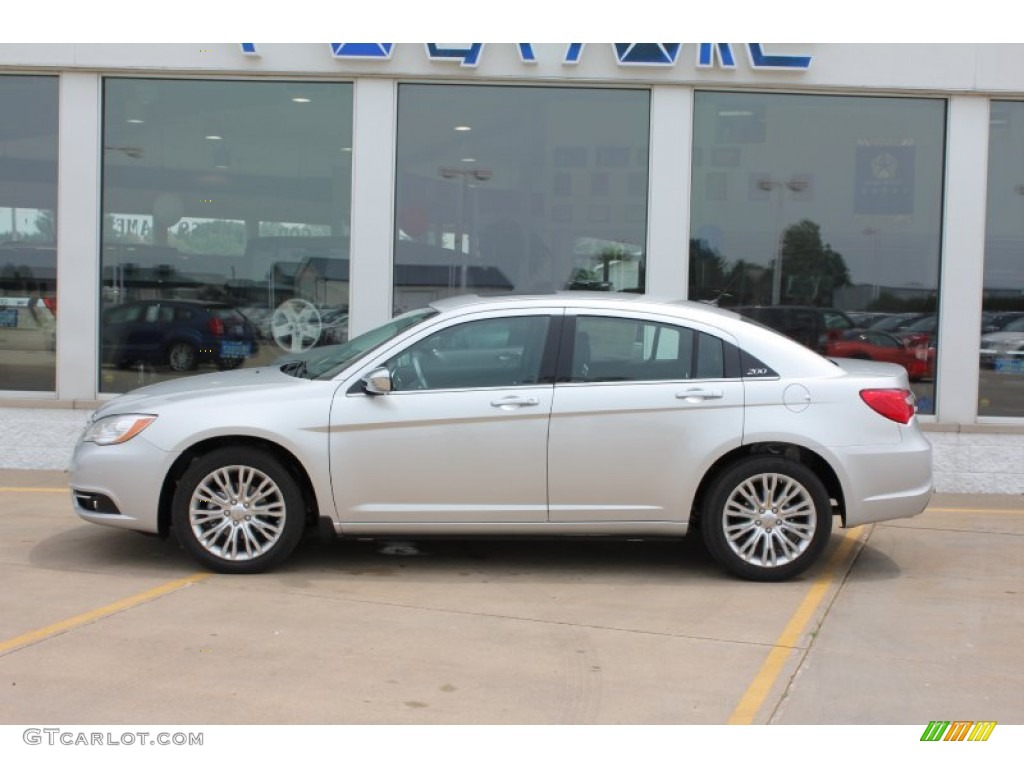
{"x": 377, "y": 382}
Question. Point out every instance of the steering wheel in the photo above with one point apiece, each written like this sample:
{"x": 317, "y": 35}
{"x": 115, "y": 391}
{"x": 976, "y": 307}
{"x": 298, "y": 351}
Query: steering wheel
{"x": 421, "y": 380}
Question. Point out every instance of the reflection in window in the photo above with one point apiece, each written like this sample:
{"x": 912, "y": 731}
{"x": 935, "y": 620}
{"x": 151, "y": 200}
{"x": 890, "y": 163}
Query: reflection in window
{"x": 616, "y": 349}
{"x": 1001, "y": 385}
{"x": 28, "y": 232}
{"x": 498, "y": 352}
{"x": 824, "y": 203}
{"x": 228, "y": 201}
{"x": 505, "y": 189}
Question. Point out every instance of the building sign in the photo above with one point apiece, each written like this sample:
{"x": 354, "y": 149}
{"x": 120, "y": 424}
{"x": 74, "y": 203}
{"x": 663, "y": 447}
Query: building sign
{"x": 708, "y": 55}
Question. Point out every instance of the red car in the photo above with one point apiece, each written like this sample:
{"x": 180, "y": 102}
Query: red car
{"x": 918, "y": 359}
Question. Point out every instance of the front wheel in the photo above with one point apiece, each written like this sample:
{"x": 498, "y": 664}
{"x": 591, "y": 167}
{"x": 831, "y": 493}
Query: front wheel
{"x": 766, "y": 518}
{"x": 238, "y": 510}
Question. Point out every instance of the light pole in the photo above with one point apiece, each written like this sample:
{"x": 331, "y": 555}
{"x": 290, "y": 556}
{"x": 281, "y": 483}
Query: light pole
{"x": 877, "y": 234}
{"x": 466, "y": 174}
{"x": 793, "y": 185}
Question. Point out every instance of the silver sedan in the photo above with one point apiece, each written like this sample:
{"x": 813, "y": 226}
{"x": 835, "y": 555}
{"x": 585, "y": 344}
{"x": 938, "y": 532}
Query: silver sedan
{"x": 570, "y": 414}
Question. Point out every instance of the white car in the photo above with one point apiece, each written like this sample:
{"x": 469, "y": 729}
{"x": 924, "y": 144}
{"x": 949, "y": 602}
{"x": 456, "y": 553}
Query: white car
{"x": 1004, "y": 349}
{"x": 570, "y": 414}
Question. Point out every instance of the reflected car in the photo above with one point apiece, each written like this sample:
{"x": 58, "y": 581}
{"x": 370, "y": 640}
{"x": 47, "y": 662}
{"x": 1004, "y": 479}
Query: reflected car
{"x": 564, "y": 415}
{"x": 894, "y": 323}
{"x": 813, "y": 327}
{"x": 867, "y": 344}
{"x": 921, "y": 330}
{"x": 180, "y": 334}
{"x": 1004, "y": 350}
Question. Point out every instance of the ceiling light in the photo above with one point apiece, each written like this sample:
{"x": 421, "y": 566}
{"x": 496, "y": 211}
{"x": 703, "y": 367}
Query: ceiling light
{"x": 214, "y": 137}
{"x": 463, "y": 128}
{"x": 135, "y": 121}
{"x": 469, "y": 159}
{"x": 301, "y": 100}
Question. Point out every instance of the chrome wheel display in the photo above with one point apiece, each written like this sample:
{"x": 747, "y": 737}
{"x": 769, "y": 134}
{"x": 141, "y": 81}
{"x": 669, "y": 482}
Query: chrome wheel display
{"x": 237, "y": 513}
{"x": 769, "y": 520}
{"x": 296, "y": 325}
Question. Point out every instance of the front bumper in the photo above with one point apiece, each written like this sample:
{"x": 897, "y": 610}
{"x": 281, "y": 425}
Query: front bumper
{"x": 119, "y": 485}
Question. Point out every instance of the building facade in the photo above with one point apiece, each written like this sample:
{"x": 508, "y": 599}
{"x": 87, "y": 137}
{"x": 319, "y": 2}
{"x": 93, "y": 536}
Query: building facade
{"x": 168, "y": 210}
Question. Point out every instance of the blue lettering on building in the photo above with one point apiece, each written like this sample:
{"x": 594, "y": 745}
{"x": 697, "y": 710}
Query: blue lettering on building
{"x": 647, "y": 54}
{"x": 709, "y": 55}
{"x": 467, "y": 57}
{"x": 760, "y": 60}
{"x": 362, "y": 50}
{"x": 706, "y": 55}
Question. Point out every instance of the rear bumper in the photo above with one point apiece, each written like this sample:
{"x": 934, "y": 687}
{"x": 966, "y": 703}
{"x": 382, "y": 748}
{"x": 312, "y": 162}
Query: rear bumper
{"x": 893, "y": 483}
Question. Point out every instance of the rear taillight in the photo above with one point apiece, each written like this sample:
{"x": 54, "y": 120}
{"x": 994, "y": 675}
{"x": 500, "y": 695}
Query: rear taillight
{"x": 895, "y": 404}
{"x": 216, "y": 326}
{"x": 51, "y": 303}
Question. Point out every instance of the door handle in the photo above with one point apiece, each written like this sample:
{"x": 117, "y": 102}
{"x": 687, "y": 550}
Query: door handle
{"x": 514, "y": 401}
{"x": 700, "y": 394}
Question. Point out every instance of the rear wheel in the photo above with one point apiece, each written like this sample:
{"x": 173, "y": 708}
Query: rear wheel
{"x": 181, "y": 356}
{"x": 766, "y": 518}
{"x": 238, "y": 510}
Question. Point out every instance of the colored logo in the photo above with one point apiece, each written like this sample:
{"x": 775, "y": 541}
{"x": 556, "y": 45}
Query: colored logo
{"x": 958, "y": 730}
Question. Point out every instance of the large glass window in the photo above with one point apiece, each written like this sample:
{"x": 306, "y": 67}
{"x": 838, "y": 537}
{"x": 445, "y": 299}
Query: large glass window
{"x": 28, "y": 232}
{"x": 504, "y": 189}
{"x": 1001, "y": 388}
{"x": 226, "y": 212}
{"x": 830, "y": 205}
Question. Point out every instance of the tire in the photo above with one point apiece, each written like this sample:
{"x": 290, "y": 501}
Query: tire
{"x": 181, "y": 356}
{"x": 766, "y": 518}
{"x": 229, "y": 363}
{"x": 238, "y": 510}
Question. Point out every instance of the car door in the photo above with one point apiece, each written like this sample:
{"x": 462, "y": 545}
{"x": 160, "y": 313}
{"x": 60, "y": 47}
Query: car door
{"x": 643, "y": 406}
{"x": 462, "y": 436}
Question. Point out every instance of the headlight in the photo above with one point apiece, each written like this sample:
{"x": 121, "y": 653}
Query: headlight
{"x": 111, "y": 430}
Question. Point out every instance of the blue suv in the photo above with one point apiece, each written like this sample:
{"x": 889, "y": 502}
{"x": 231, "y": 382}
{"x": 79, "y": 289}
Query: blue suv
{"x": 177, "y": 333}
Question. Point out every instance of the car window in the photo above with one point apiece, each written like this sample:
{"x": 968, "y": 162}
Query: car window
{"x": 496, "y": 352}
{"x": 623, "y": 349}
{"x": 835, "y": 320}
{"x": 126, "y": 314}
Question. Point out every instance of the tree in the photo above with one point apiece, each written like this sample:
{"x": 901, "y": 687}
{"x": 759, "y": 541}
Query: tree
{"x": 811, "y": 270}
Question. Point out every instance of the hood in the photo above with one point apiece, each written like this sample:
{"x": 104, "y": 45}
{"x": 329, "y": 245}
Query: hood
{"x": 1002, "y": 337}
{"x": 231, "y": 384}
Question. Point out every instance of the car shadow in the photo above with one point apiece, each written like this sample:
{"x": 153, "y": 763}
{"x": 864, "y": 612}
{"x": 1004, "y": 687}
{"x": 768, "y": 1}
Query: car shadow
{"x": 434, "y": 559}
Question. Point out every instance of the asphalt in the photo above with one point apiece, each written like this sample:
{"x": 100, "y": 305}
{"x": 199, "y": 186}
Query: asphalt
{"x": 902, "y": 622}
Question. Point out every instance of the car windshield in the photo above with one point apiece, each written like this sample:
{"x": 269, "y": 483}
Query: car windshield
{"x": 328, "y": 362}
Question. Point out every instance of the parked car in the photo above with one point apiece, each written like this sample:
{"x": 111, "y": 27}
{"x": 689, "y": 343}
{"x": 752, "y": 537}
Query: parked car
{"x": 921, "y": 331}
{"x": 867, "y": 344}
{"x": 896, "y": 322}
{"x": 813, "y": 327}
{"x": 1004, "y": 350}
{"x": 178, "y": 333}
{"x": 557, "y": 415}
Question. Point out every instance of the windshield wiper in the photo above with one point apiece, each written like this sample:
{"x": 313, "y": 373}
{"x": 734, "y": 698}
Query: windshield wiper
{"x": 296, "y": 368}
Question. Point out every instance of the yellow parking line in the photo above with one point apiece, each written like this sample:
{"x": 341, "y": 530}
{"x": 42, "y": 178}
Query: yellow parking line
{"x": 785, "y": 644}
{"x": 11, "y": 489}
{"x": 99, "y": 613}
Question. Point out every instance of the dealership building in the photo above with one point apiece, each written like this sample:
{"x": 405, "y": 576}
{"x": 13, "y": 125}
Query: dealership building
{"x": 155, "y": 199}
